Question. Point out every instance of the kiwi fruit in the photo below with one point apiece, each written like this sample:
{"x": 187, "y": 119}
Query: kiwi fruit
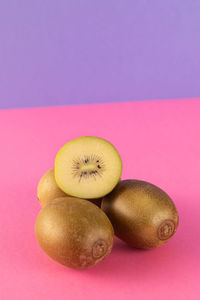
{"x": 47, "y": 189}
{"x": 87, "y": 167}
{"x": 74, "y": 232}
{"x": 142, "y": 214}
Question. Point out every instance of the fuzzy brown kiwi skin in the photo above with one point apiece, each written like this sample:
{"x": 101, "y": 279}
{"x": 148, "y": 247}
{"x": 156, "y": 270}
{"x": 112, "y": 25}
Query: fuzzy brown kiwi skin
{"x": 142, "y": 214}
{"x": 74, "y": 232}
{"x": 47, "y": 189}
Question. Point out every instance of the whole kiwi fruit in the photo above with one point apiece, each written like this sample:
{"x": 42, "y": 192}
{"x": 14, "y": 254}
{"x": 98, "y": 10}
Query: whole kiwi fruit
{"x": 47, "y": 189}
{"x": 74, "y": 232}
{"x": 142, "y": 214}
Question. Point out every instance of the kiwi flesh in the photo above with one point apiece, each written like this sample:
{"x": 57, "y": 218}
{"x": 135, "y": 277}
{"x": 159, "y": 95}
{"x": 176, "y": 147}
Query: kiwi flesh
{"x": 142, "y": 214}
{"x": 47, "y": 189}
{"x": 74, "y": 232}
{"x": 88, "y": 167}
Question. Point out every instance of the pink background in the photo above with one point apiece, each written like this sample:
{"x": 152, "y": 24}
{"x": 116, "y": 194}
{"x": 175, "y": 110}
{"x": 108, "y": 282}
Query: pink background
{"x": 158, "y": 142}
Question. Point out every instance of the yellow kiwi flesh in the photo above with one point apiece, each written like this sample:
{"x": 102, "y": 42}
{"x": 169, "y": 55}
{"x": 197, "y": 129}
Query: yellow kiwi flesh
{"x": 74, "y": 232}
{"x": 142, "y": 214}
{"x": 88, "y": 167}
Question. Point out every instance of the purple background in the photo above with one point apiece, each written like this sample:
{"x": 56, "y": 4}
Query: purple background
{"x": 55, "y": 52}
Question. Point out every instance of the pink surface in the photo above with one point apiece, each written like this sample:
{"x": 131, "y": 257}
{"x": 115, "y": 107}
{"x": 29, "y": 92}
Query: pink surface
{"x": 158, "y": 142}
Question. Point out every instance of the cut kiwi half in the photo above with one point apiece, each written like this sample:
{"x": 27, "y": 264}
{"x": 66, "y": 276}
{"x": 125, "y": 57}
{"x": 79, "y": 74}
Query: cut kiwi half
{"x": 88, "y": 167}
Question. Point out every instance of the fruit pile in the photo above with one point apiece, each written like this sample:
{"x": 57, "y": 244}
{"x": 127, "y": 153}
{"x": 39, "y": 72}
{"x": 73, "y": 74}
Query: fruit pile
{"x": 84, "y": 203}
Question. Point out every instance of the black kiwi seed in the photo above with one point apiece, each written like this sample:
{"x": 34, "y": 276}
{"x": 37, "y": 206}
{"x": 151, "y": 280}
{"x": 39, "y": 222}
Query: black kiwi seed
{"x": 76, "y": 169}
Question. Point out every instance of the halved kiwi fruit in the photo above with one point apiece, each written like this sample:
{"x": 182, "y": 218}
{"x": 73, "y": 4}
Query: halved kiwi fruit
{"x": 74, "y": 232}
{"x": 142, "y": 214}
{"x": 47, "y": 189}
{"x": 88, "y": 167}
